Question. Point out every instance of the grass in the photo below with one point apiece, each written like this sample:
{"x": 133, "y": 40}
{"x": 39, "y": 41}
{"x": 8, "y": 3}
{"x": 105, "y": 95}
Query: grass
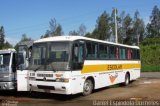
{"x": 150, "y": 68}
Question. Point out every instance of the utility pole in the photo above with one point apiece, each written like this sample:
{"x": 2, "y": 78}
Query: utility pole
{"x": 115, "y": 20}
{"x": 138, "y": 39}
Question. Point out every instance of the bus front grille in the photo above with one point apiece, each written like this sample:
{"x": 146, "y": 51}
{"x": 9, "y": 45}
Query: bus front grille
{"x": 44, "y": 75}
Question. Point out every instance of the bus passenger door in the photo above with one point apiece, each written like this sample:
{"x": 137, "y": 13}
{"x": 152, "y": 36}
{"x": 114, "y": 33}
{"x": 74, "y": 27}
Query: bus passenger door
{"x": 78, "y": 55}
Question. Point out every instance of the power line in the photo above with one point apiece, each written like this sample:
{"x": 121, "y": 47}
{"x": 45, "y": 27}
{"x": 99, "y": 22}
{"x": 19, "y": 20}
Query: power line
{"x": 45, "y": 25}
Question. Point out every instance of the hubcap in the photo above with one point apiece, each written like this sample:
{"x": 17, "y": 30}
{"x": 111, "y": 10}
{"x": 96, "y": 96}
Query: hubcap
{"x": 87, "y": 86}
{"x": 127, "y": 80}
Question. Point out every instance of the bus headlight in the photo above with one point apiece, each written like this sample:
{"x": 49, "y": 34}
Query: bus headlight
{"x": 66, "y": 80}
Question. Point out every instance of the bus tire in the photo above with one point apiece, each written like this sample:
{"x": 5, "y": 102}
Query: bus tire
{"x": 127, "y": 79}
{"x": 87, "y": 87}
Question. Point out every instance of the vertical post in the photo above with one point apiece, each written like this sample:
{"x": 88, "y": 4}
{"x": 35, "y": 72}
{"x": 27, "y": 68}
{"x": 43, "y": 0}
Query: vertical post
{"x": 115, "y": 20}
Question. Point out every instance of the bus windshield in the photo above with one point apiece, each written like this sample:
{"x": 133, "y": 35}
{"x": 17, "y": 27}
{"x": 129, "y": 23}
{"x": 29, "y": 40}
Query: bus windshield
{"x": 50, "y": 56}
{"x": 4, "y": 59}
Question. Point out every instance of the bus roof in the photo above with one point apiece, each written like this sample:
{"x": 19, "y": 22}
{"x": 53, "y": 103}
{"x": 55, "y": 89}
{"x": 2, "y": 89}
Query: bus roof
{"x": 73, "y": 38}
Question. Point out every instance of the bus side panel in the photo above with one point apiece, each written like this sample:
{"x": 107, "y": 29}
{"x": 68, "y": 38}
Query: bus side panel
{"x": 77, "y": 81}
{"x": 102, "y": 79}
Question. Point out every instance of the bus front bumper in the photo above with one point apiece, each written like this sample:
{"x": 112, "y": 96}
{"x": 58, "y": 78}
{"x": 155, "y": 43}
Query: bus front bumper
{"x": 50, "y": 87}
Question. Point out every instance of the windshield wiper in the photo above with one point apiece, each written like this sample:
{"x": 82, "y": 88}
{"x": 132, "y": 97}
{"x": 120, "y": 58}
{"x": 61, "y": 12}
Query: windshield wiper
{"x": 37, "y": 68}
{"x": 49, "y": 63}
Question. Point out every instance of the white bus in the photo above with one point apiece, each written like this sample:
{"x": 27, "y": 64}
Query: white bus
{"x": 8, "y": 69}
{"x": 75, "y": 64}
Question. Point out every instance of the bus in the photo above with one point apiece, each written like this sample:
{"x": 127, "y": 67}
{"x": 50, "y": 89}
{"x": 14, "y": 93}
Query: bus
{"x": 75, "y": 64}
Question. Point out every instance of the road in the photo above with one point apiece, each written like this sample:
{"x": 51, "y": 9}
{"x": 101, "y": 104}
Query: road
{"x": 144, "y": 89}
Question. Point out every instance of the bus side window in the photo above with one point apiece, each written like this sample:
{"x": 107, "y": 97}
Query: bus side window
{"x": 103, "y": 52}
{"x": 138, "y": 54}
{"x": 134, "y": 54}
{"x": 112, "y": 52}
{"x": 129, "y": 54}
{"x": 117, "y": 53}
{"x": 91, "y": 50}
{"x": 88, "y": 50}
{"x": 121, "y": 53}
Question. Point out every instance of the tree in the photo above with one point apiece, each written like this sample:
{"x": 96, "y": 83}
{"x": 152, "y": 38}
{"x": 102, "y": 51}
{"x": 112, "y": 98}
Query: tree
{"x": 138, "y": 28}
{"x": 7, "y": 45}
{"x": 47, "y": 34}
{"x": 88, "y": 34}
{"x": 73, "y": 33}
{"x": 53, "y": 25}
{"x": 153, "y": 28}
{"x": 55, "y": 28}
{"x": 2, "y": 37}
{"x": 58, "y": 31}
{"x": 128, "y": 30}
{"x": 82, "y": 30}
{"x": 121, "y": 27}
{"x": 24, "y": 38}
{"x": 103, "y": 26}
{"x": 3, "y": 43}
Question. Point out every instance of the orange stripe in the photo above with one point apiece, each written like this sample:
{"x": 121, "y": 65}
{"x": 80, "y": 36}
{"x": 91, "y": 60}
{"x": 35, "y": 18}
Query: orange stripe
{"x": 108, "y": 67}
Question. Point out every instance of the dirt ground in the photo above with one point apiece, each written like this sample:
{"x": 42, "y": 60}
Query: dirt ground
{"x": 146, "y": 89}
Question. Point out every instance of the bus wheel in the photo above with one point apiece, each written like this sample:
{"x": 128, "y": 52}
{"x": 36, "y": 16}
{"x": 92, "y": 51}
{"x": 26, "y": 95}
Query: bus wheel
{"x": 127, "y": 79}
{"x": 87, "y": 87}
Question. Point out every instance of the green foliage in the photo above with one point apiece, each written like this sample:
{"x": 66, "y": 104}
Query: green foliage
{"x": 3, "y": 44}
{"x": 2, "y": 37}
{"x": 81, "y": 31}
{"x": 150, "y": 68}
{"x": 150, "y": 54}
{"x": 24, "y": 38}
{"x": 153, "y": 28}
{"x": 151, "y": 41}
{"x": 7, "y": 45}
{"x": 73, "y": 33}
{"x": 55, "y": 29}
{"x": 138, "y": 28}
{"x": 103, "y": 26}
{"x": 130, "y": 30}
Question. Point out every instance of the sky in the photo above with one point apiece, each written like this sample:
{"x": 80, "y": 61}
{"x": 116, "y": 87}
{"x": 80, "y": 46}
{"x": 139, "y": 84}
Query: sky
{"x": 32, "y": 16}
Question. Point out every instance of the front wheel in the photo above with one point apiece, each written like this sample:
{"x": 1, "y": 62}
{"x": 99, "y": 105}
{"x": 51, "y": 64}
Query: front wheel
{"x": 87, "y": 87}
